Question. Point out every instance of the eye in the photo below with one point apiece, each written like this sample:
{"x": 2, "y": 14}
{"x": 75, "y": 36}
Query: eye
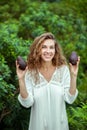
{"x": 43, "y": 46}
{"x": 52, "y": 47}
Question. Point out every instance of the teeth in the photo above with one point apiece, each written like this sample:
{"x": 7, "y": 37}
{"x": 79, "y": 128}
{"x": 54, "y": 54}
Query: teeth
{"x": 47, "y": 56}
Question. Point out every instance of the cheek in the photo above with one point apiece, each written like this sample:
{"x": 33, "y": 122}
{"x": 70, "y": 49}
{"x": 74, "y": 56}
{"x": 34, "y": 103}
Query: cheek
{"x": 43, "y": 51}
{"x": 53, "y": 52}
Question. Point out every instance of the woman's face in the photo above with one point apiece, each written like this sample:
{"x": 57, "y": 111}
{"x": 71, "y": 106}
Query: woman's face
{"x": 48, "y": 50}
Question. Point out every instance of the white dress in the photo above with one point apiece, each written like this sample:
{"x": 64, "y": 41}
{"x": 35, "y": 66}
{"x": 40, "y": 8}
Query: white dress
{"x": 47, "y": 100}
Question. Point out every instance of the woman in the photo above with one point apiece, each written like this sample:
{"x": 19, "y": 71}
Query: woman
{"x": 47, "y": 84}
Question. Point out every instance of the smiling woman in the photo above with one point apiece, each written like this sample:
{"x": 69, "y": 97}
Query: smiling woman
{"x": 47, "y": 84}
{"x": 48, "y": 50}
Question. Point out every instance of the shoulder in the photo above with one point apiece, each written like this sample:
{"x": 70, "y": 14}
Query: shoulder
{"x": 63, "y": 68}
{"x": 28, "y": 75}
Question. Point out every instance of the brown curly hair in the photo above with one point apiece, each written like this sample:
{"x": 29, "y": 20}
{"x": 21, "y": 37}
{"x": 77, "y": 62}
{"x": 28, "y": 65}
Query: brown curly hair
{"x": 34, "y": 57}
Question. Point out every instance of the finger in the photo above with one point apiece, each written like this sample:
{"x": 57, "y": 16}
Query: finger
{"x": 26, "y": 69}
{"x": 17, "y": 65}
{"x": 78, "y": 60}
{"x": 16, "y": 62}
{"x": 70, "y": 64}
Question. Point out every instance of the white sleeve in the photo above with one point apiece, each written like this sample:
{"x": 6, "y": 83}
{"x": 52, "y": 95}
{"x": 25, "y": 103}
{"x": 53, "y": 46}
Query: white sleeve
{"x": 27, "y": 102}
{"x": 66, "y": 86}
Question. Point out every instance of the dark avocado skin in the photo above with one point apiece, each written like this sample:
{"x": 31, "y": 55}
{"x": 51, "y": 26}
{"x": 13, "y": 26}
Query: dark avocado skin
{"x": 73, "y": 58}
{"x": 21, "y": 62}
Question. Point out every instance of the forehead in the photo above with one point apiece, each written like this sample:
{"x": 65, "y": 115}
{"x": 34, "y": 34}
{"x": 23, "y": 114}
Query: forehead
{"x": 48, "y": 42}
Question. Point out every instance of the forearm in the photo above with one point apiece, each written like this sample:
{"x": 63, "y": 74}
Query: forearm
{"x": 72, "y": 89}
{"x": 23, "y": 90}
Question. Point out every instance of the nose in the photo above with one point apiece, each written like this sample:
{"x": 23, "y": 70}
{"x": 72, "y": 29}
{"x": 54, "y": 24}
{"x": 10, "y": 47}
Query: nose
{"x": 48, "y": 49}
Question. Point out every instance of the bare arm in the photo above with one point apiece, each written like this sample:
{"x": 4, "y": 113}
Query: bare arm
{"x": 21, "y": 78}
{"x": 74, "y": 72}
{"x": 23, "y": 91}
{"x": 72, "y": 89}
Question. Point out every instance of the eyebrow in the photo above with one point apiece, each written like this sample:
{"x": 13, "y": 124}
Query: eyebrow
{"x": 49, "y": 45}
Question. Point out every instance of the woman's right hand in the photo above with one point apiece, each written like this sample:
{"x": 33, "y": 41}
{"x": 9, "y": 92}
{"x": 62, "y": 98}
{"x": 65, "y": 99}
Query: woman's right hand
{"x": 20, "y": 73}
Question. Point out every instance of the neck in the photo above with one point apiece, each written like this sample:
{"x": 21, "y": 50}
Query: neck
{"x": 47, "y": 65}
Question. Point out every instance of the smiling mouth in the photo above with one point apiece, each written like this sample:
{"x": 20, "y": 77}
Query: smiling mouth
{"x": 47, "y": 56}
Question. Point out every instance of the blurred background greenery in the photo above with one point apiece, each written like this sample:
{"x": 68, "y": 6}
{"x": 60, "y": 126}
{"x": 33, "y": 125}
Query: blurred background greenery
{"x": 20, "y": 22}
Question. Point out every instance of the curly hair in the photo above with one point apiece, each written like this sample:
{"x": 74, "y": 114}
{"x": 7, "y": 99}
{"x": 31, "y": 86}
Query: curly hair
{"x": 34, "y": 57}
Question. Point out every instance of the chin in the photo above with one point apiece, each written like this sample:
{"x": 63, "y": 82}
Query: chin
{"x": 47, "y": 60}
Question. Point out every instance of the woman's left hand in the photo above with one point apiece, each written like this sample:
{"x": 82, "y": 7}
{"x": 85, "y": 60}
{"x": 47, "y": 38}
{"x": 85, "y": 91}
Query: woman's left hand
{"x": 74, "y": 68}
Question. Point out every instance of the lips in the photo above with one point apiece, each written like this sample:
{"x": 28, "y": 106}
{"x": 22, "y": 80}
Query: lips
{"x": 47, "y": 56}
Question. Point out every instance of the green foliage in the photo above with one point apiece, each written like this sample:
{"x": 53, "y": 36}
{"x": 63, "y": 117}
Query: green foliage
{"x": 6, "y": 89}
{"x": 11, "y": 46}
{"x": 20, "y": 22}
{"x": 19, "y": 117}
{"x": 78, "y": 117}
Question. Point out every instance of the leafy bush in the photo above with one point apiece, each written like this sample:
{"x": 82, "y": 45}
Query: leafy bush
{"x": 20, "y": 22}
{"x": 78, "y": 117}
